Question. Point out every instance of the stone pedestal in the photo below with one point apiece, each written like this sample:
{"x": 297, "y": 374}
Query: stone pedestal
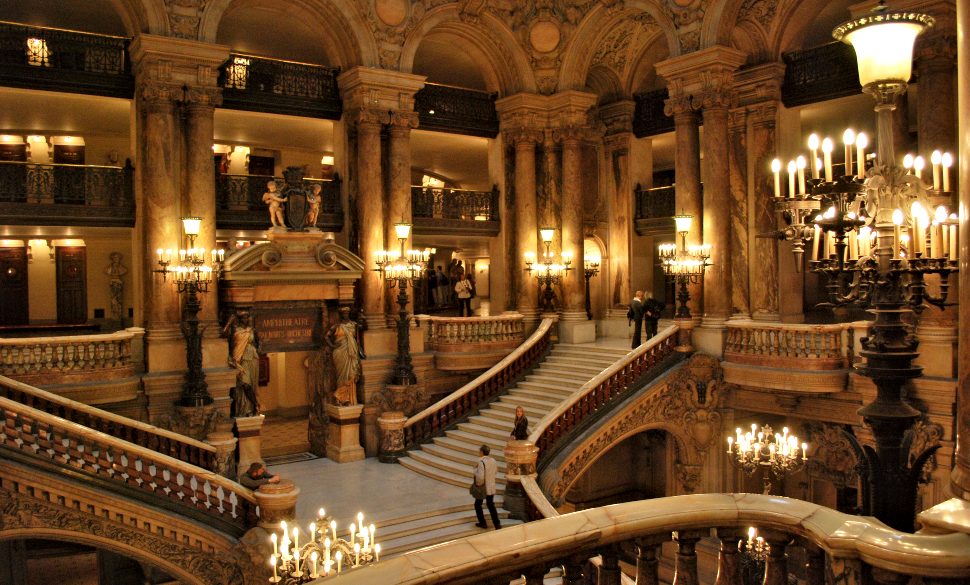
{"x": 277, "y": 502}
{"x": 225, "y": 445}
{"x": 248, "y": 430}
{"x": 709, "y": 339}
{"x": 343, "y": 433}
{"x": 577, "y": 331}
{"x": 937, "y": 350}
{"x": 520, "y": 459}
{"x": 684, "y": 334}
{"x": 391, "y": 425}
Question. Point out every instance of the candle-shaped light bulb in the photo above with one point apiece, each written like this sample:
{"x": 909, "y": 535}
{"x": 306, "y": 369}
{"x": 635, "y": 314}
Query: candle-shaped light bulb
{"x": 751, "y": 532}
{"x": 353, "y": 530}
{"x": 813, "y": 141}
{"x": 800, "y": 164}
{"x": 333, "y": 529}
{"x": 827, "y": 147}
{"x": 356, "y": 553}
{"x": 776, "y": 171}
{"x": 377, "y": 552}
{"x": 898, "y": 216}
{"x": 371, "y": 529}
{"x": 804, "y": 451}
{"x": 791, "y": 178}
{"x": 730, "y": 444}
{"x": 276, "y": 578}
{"x": 941, "y": 214}
{"x": 848, "y": 139}
{"x": 918, "y": 165}
{"x": 340, "y": 558}
{"x": 908, "y": 161}
{"x": 861, "y": 142}
{"x": 273, "y": 538}
{"x": 313, "y": 531}
{"x": 936, "y": 159}
{"x": 313, "y": 559}
{"x": 947, "y": 161}
{"x": 321, "y": 513}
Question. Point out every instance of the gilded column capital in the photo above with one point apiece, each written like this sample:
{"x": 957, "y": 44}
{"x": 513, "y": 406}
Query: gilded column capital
{"x": 157, "y": 95}
{"x": 617, "y": 117}
{"x": 940, "y": 47}
{"x": 679, "y": 107}
{"x": 570, "y": 134}
{"x": 523, "y": 137}
{"x": 401, "y": 121}
{"x": 716, "y": 91}
{"x": 367, "y": 117}
{"x": 202, "y": 98}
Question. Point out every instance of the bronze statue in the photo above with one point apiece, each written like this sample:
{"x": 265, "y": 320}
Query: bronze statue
{"x": 342, "y": 338}
{"x": 275, "y": 203}
{"x": 313, "y": 207}
{"x": 244, "y": 357}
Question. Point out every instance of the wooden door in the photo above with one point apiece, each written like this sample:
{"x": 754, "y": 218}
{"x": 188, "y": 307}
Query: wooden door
{"x": 72, "y": 288}
{"x": 13, "y": 286}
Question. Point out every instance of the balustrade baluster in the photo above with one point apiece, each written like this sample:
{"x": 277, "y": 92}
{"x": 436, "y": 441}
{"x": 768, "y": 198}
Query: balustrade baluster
{"x": 648, "y": 563}
{"x": 814, "y": 563}
{"x": 572, "y": 571}
{"x": 886, "y": 577}
{"x": 609, "y": 569}
{"x": 776, "y": 565}
{"x": 728, "y": 563}
{"x": 685, "y": 569}
{"x": 535, "y": 575}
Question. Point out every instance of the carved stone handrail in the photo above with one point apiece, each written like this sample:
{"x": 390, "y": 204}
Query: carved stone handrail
{"x": 603, "y": 389}
{"x": 802, "y": 347}
{"x": 849, "y": 543}
{"x": 102, "y": 354}
{"x": 132, "y": 431}
{"x": 447, "y": 334}
{"x": 463, "y": 402}
{"x": 119, "y": 463}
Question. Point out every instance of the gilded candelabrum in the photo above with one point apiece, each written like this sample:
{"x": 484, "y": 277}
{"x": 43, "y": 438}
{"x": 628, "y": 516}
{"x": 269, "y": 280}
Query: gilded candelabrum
{"x": 549, "y": 271}
{"x": 774, "y": 454}
{"x": 591, "y": 267}
{"x": 685, "y": 264}
{"x": 324, "y": 553}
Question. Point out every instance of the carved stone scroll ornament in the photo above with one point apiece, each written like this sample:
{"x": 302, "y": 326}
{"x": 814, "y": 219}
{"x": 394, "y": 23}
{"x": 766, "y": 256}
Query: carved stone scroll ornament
{"x": 833, "y": 456}
{"x": 184, "y": 17}
{"x": 685, "y": 406}
{"x": 922, "y": 437}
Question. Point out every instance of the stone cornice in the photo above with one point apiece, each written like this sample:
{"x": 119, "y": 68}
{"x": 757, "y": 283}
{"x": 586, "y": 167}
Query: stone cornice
{"x": 381, "y": 89}
{"x": 531, "y": 111}
{"x": 177, "y": 61}
{"x": 617, "y": 116}
{"x": 760, "y": 83}
{"x": 687, "y": 68}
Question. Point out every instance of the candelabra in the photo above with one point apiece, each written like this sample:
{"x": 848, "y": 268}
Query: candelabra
{"x": 775, "y": 454}
{"x": 192, "y": 275}
{"x": 401, "y": 270}
{"x": 324, "y": 554}
{"x": 685, "y": 264}
{"x": 591, "y": 267}
{"x": 754, "y": 552}
{"x": 551, "y": 272}
{"x": 879, "y": 243}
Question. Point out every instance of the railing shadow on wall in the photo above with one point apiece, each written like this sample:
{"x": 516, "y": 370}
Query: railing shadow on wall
{"x": 277, "y": 86}
{"x": 53, "y": 59}
{"x": 239, "y": 202}
{"x": 63, "y": 194}
{"x": 438, "y": 210}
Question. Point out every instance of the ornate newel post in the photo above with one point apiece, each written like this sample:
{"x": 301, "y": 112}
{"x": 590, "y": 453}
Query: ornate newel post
{"x": 225, "y": 445}
{"x": 277, "y": 502}
{"x": 343, "y": 433}
{"x": 391, "y": 425}
{"x": 520, "y": 459}
{"x": 248, "y": 429}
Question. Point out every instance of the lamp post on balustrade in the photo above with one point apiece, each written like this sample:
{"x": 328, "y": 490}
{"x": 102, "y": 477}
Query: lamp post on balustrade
{"x": 193, "y": 274}
{"x": 548, "y": 271}
{"x": 684, "y": 265}
{"x": 591, "y": 267}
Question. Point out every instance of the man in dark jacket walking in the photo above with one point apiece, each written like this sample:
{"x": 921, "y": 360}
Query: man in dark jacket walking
{"x": 635, "y": 314}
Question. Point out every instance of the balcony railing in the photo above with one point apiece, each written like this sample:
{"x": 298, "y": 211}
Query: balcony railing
{"x": 260, "y": 84}
{"x": 240, "y": 206}
{"x": 49, "y": 360}
{"x": 457, "y": 110}
{"x": 472, "y": 343}
{"x": 64, "y": 60}
{"x": 654, "y": 210}
{"x": 820, "y": 73}
{"x": 649, "y": 118}
{"x": 446, "y": 211}
{"x": 59, "y": 194}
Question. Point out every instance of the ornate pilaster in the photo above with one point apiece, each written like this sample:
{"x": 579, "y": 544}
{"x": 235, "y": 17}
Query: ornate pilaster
{"x": 618, "y": 119}
{"x": 687, "y": 169}
{"x": 525, "y": 141}
{"x": 572, "y": 222}
{"x": 399, "y": 177}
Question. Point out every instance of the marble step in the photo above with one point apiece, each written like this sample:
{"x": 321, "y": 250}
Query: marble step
{"x": 506, "y": 417}
{"x": 541, "y": 393}
{"x": 451, "y": 531}
{"x": 465, "y": 447}
{"x": 492, "y": 422}
{"x": 484, "y": 432}
{"x": 538, "y": 404}
{"x": 561, "y": 379}
{"x": 454, "y": 478}
{"x": 563, "y": 368}
{"x": 462, "y": 458}
{"x": 532, "y": 413}
{"x": 475, "y": 441}
{"x": 576, "y": 360}
{"x": 543, "y": 387}
{"x": 389, "y": 525}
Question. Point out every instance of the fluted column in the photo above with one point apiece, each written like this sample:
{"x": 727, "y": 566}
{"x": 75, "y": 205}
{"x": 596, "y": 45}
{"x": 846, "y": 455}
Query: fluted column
{"x": 573, "y": 308}
{"x": 200, "y": 181}
{"x": 717, "y": 211}
{"x": 687, "y": 181}
{"x": 526, "y": 236}
{"x": 370, "y": 212}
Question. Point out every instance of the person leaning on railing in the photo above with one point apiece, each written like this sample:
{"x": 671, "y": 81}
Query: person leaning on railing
{"x": 257, "y": 475}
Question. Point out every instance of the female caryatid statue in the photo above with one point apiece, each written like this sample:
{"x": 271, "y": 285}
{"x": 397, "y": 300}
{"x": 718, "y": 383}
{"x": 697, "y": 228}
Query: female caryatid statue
{"x": 244, "y": 357}
{"x": 342, "y": 338}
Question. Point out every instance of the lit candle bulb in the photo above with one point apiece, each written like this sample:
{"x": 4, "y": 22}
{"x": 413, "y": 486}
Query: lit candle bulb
{"x": 321, "y": 513}
{"x": 326, "y": 549}
{"x": 791, "y": 178}
{"x": 313, "y": 559}
{"x": 353, "y": 530}
{"x": 897, "y": 226}
{"x": 848, "y": 138}
{"x": 730, "y": 444}
{"x": 861, "y": 142}
{"x": 947, "y": 161}
{"x": 827, "y": 146}
{"x": 908, "y": 161}
{"x": 371, "y": 529}
{"x": 377, "y": 552}
{"x": 159, "y": 251}
{"x": 276, "y": 578}
{"x": 800, "y": 164}
{"x": 804, "y": 451}
{"x": 775, "y": 169}
{"x": 356, "y": 554}
{"x": 936, "y": 159}
{"x": 918, "y": 165}
{"x": 276, "y": 551}
{"x": 333, "y": 529}
{"x": 813, "y": 146}
{"x": 340, "y": 558}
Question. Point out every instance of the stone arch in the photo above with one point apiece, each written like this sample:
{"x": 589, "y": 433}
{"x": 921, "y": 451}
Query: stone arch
{"x": 605, "y": 83}
{"x": 643, "y": 75}
{"x": 794, "y": 21}
{"x": 720, "y": 19}
{"x": 597, "y": 28}
{"x": 142, "y": 16}
{"x": 502, "y": 62}
{"x": 346, "y": 38}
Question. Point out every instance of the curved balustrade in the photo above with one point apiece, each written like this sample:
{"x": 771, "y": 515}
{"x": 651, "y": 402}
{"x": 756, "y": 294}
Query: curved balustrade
{"x": 463, "y": 402}
{"x": 815, "y": 347}
{"x": 107, "y": 355}
{"x": 144, "y": 435}
{"x": 602, "y": 390}
{"x": 38, "y": 435}
{"x": 848, "y": 543}
{"x": 458, "y": 333}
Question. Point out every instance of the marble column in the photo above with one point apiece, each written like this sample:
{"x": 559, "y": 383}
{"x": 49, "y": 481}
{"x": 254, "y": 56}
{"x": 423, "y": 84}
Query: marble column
{"x": 200, "y": 183}
{"x": 370, "y": 212}
{"x": 737, "y": 168}
{"x": 618, "y": 119}
{"x": 763, "y": 257}
{"x": 160, "y": 206}
{"x": 717, "y": 212}
{"x": 573, "y": 308}
{"x": 526, "y": 235}
{"x": 399, "y": 183}
{"x": 687, "y": 185}
{"x": 960, "y": 477}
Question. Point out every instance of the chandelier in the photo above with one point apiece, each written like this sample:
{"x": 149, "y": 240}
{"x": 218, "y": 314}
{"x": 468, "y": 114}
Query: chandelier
{"x": 776, "y": 454}
{"x": 325, "y": 553}
{"x": 591, "y": 267}
{"x": 549, "y": 271}
{"x": 755, "y": 546}
{"x": 684, "y": 264}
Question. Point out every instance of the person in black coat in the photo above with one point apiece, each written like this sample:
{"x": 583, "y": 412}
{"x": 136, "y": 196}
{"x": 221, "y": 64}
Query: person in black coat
{"x": 636, "y": 314}
{"x": 652, "y": 309}
{"x": 520, "y": 426}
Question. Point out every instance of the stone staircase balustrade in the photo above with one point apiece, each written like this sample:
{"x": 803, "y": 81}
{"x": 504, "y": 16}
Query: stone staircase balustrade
{"x": 47, "y": 356}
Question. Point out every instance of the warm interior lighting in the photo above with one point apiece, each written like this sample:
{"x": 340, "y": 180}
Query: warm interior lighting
{"x": 72, "y": 140}
{"x": 191, "y": 225}
{"x": 38, "y": 54}
{"x": 683, "y": 223}
{"x": 237, "y": 73}
{"x": 11, "y": 139}
{"x": 327, "y": 160}
{"x": 546, "y": 235}
{"x": 883, "y": 43}
{"x": 36, "y": 138}
{"x": 402, "y": 230}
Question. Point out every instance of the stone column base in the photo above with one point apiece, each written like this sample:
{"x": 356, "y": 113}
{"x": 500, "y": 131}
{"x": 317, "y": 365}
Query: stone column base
{"x": 277, "y": 502}
{"x": 615, "y": 326}
{"x": 391, "y": 426}
{"x": 343, "y": 433}
{"x": 248, "y": 431}
{"x": 577, "y": 331}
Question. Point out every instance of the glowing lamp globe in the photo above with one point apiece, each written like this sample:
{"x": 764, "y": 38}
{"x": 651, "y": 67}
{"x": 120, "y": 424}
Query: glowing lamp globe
{"x": 883, "y": 41}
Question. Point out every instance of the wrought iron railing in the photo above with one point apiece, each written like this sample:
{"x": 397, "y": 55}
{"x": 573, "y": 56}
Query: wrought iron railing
{"x": 262, "y": 84}
{"x": 468, "y": 399}
{"x": 457, "y": 110}
{"x": 239, "y": 201}
{"x": 64, "y": 60}
{"x": 607, "y": 388}
{"x": 437, "y": 209}
{"x": 821, "y": 73}
{"x": 649, "y": 118}
{"x": 834, "y": 547}
{"x": 60, "y": 194}
{"x": 654, "y": 203}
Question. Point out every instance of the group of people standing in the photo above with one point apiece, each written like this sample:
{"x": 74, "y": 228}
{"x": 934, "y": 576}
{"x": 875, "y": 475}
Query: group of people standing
{"x": 455, "y": 287}
{"x": 644, "y": 310}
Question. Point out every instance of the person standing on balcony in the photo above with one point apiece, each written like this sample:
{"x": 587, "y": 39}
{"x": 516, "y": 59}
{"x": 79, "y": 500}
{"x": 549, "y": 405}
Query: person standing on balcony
{"x": 635, "y": 314}
{"x": 651, "y": 314}
{"x": 442, "y": 283}
{"x": 463, "y": 290}
{"x": 483, "y": 488}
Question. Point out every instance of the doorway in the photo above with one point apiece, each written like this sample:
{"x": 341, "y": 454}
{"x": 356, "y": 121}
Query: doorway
{"x": 72, "y": 298}
{"x": 13, "y": 286}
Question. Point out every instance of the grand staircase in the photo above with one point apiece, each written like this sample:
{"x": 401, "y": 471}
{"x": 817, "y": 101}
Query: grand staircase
{"x": 452, "y": 458}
